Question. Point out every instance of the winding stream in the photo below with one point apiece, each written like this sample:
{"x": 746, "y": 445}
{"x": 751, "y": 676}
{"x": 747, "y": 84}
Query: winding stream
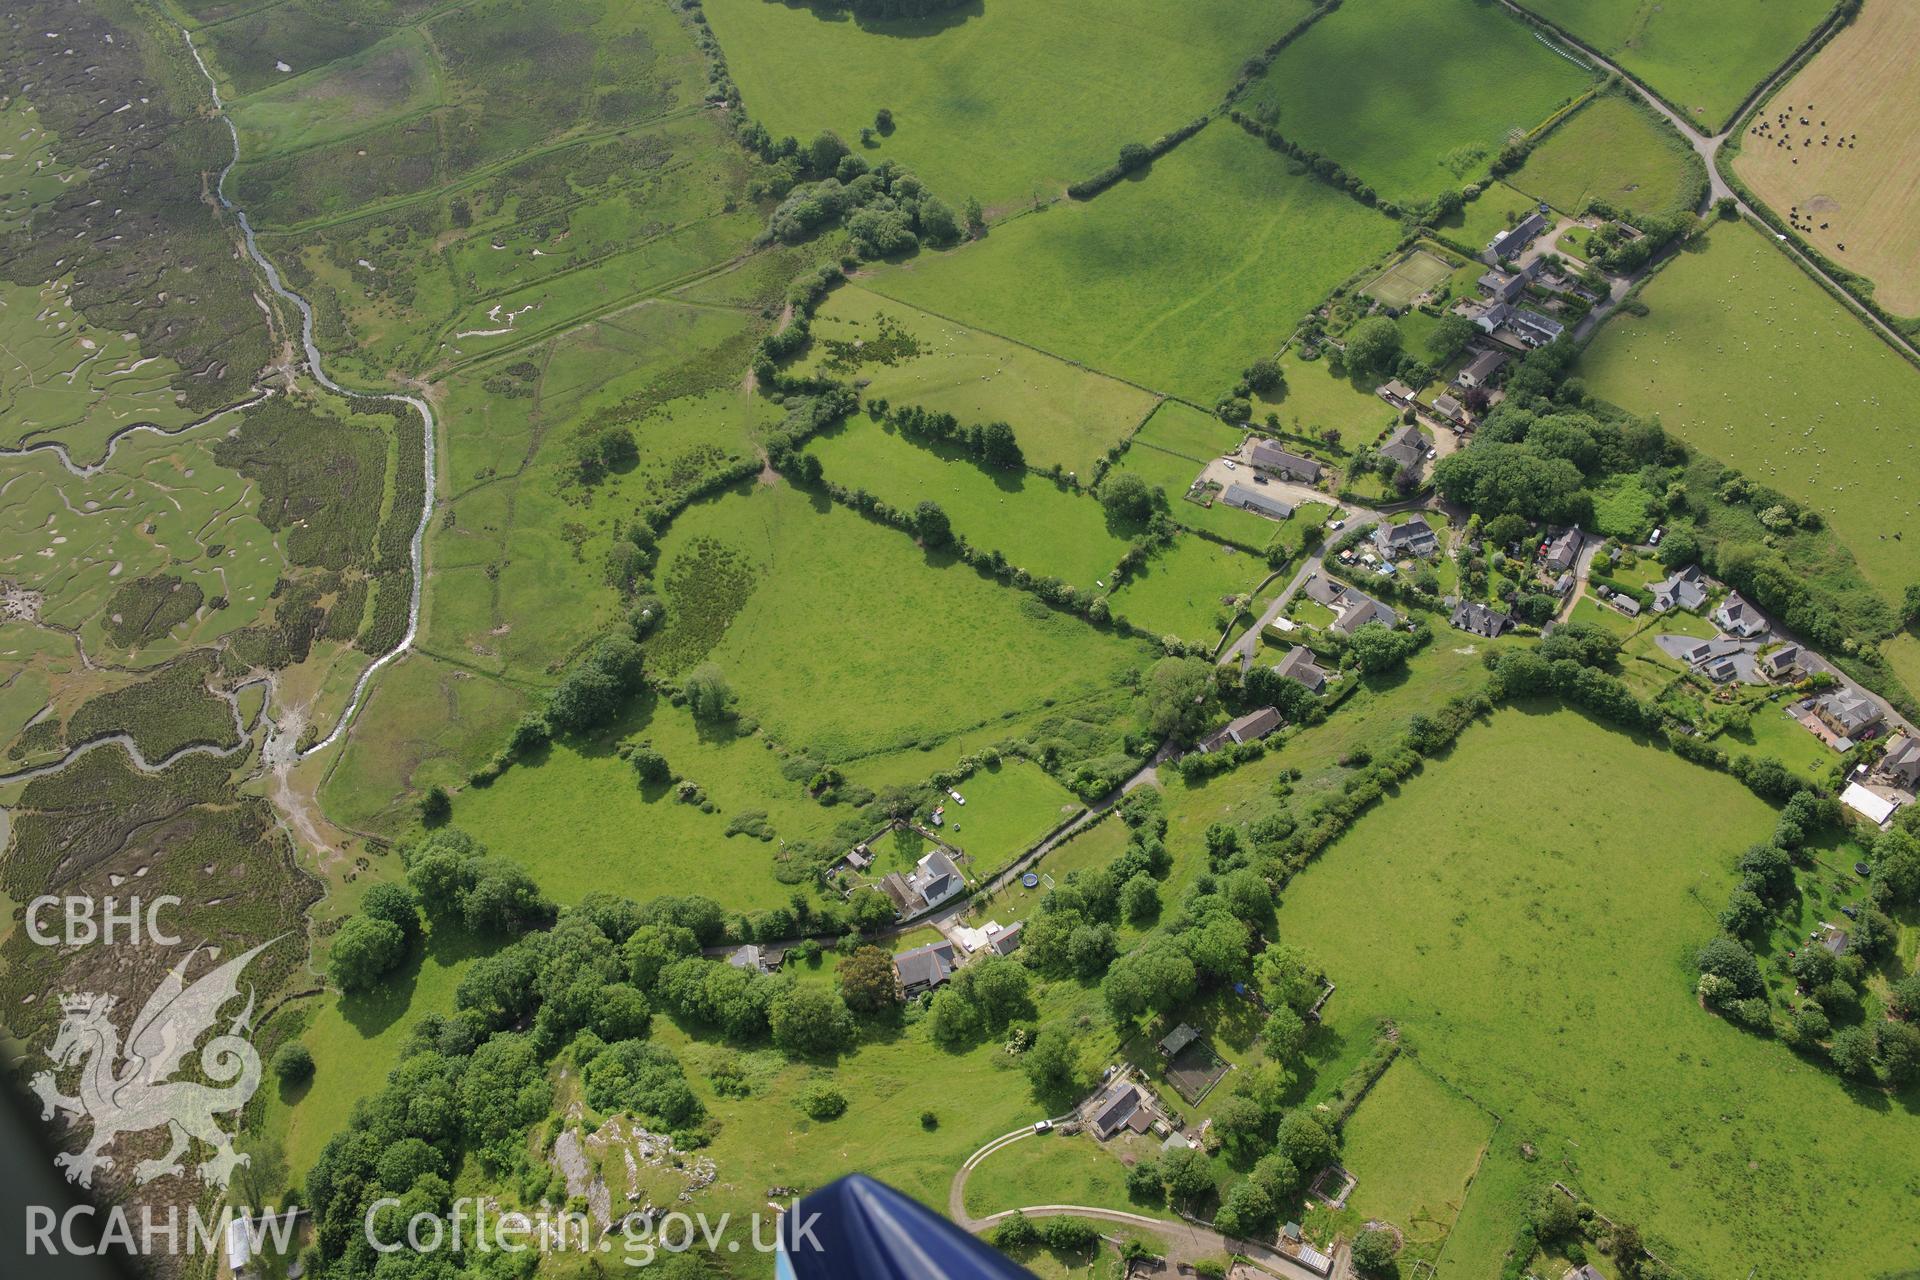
{"x": 318, "y": 369}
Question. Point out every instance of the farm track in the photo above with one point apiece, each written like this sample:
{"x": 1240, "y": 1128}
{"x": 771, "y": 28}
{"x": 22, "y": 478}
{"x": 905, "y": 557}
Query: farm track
{"x": 279, "y": 753}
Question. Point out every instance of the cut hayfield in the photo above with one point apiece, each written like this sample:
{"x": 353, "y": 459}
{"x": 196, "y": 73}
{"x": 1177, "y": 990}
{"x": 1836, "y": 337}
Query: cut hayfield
{"x": 1748, "y": 360}
{"x": 1704, "y": 56}
{"x": 1861, "y": 89}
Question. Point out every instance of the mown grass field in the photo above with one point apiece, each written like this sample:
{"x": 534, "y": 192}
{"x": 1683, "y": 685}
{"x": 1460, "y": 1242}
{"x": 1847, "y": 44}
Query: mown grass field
{"x": 1616, "y": 151}
{"x": 1051, "y": 1168}
{"x": 1431, "y": 90}
{"x": 1038, "y": 525}
{"x": 828, "y": 661}
{"x": 1703, "y": 58}
{"x": 1009, "y": 807}
{"x": 963, "y": 87}
{"x": 1180, "y": 429}
{"x": 1748, "y": 360}
{"x": 1861, "y": 195}
{"x": 1537, "y": 953}
{"x": 1414, "y": 1145}
{"x": 1176, "y": 280}
{"x": 1060, "y": 413}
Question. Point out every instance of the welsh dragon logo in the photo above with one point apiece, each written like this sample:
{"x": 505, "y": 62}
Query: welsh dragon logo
{"x": 127, "y": 1088}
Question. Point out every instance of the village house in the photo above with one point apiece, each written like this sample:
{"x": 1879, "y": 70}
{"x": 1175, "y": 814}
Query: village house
{"x": 1559, "y": 552}
{"x": 1406, "y": 449}
{"x": 1354, "y": 608}
{"x": 1901, "y": 763}
{"x": 924, "y": 968}
{"x": 1682, "y": 589}
{"x": 1299, "y": 665}
{"x": 756, "y": 959}
{"x": 1449, "y": 408}
{"x": 1250, "y": 727}
{"x": 1738, "y": 618}
{"x": 1783, "y": 663}
{"x": 1248, "y": 498}
{"x": 1508, "y": 286}
{"x": 1411, "y": 537}
{"x": 1476, "y": 618}
{"x": 1482, "y": 369}
{"x": 1264, "y": 455}
{"x": 1625, "y": 604}
{"x": 1849, "y": 713}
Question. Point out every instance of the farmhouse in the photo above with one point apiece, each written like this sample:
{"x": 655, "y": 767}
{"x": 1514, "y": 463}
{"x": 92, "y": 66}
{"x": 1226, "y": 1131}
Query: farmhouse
{"x": 1482, "y": 369}
{"x": 1738, "y": 618}
{"x": 924, "y": 968}
{"x": 1478, "y": 619}
{"x": 1559, "y": 552}
{"x": 1411, "y": 537}
{"x": 1250, "y": 727}
{"x": 1406, "y": 449}
{"x": 1248, "y": 498}
{"x": 1275, "y": 461}
{"x": 1901, "y": 763}
{"x": 1682, "y": 589}
{"x": 1122, "y": 1106}
{"x": 1299, "y": 665}
{"x": 1517, "y": 237}
{"x": 1848, "y": 713}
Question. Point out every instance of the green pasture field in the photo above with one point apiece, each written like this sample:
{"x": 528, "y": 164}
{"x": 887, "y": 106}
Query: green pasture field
{"x": 1537, "y": 953}
{"x": 394, "y": 80}
{"x": 1746, "y": 359}
{"x": 861, "y": 669}
{"x": 1180, "y": 429}
{"x": 963, "y": 87}
{"x": 1178, "y": 591}
{"x": 1038, "y": 525}
{"x": 1061, "y": 413}
{"x": 1179, "y": 280}
{"x": 249, "y": 48}
{"x": 1434, "y": 89}
{"x": 1903, "y": 655}
{"x": 579, "y": 822}
{"x": 1703, "y": 58}
{"x": 1617, "y": 151}
{"x": 1009, "y": 807}
{"x": 1414, "y": 1146}
{"x": 67, "y": 381}
{"x": 1415, "y": 273}
{"x": 1317, "y": 399}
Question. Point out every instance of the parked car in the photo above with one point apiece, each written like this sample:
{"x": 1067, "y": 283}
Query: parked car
{"x": 1042, "y": 1126}
{"x": 1337, "y": 524}
{"x": 1232, "y": 465}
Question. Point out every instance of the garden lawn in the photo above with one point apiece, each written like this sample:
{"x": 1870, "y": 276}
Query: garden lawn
{"x": 1179, "y": 590}
{"x": 1006, "y": 102}
{"x": 577, "y": 819}
{"x": 1048, "y": 530}
{"x": 1702, "y": 58}
{"x": 1063, "y": 415}
{"x": 850, "y": 640}
{"x": 1617, "y": 151}
{"x": 1009, "y": 807}
{"x": 1746, "y": 359}
{"x": 1534, "y": 943}
{"x": 1415, "y": 96}
{"x": 1176, "y": 280}
{"x": 1414, "y": 1144}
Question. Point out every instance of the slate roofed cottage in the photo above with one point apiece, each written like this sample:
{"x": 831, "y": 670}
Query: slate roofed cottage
{"x": 1121, "y": 1107}
{"x": 1299, "y": 665}
{"x": 1411, "y": 537}
{"x": 1479, "y": 619}
{"x": 1738, "y": 618}
{"x": 1482, "y": 369}
{"x": 1250, "y": 727}
{"x": 1559, "y": 552}
{"x": 1902, "y": 761}
{"x": 1271, "y": 458}
{"x": 1449, "y": 408}
{"x": 1406, "y": 449}
{"x": 924, "y": 968}
{"x": 1682, "y": 589}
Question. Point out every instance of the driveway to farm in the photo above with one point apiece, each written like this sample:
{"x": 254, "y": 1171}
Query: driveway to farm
{"x": 1707, "y": 147}
{"x": 1187, "y": 1242}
